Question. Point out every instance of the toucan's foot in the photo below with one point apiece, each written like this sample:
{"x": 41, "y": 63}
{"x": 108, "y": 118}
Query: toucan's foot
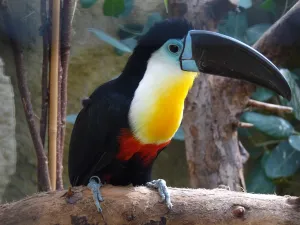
{"x": 163, "y": 191}
{"x": 95, "y": 187}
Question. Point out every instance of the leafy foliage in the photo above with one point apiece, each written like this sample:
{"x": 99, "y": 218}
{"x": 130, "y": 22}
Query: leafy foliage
{"x": 273, "y": 136}
{"x": 295, "y": 101}
{"x": 113, "y": 7}
{"x": 272, "y": 125}
{"x": 245, "y": 3}
{"x": 257, "y": 181}
{"x": 294, "y": 141}
{"x": 235, "y": 25}
{"x": 274, "y": 159}
{"x": 128, "y": 6}
{"x": 71, "y": 118}
{"x": 283, "y": 161}
{"x": 110, "y": 40}
{"x": 152, "y": 19}
{"x": 166, "y": 5}
{"x": 254, "y": 32}
{"x": 269, "y": 6}
{"x": 262, "y": 94}
{"x": 87, "y": 3}
{"x": 179, "y": 135}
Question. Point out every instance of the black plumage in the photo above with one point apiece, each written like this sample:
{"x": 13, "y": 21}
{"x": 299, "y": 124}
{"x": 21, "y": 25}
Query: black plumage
{"x": 94, "y": 140}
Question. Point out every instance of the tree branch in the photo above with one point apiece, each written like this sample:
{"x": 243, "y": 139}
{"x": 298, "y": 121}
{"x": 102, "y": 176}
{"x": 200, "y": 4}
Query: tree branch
{"x": 45, "y": 71}
{"x": 245, "y": 125}
{"x": 269, "y": 107}
{"x": 64, "y": 56}
{"x": 212, "y": 106}
{"x": 281, "y": 43}
{"x": 140, "y": 206}
{"x": 211, "y": 109}
{"x": 42, "y": 161}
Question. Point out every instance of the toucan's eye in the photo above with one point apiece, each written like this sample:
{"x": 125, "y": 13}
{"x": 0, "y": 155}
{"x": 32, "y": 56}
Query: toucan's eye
{"x": 174, "y": 48}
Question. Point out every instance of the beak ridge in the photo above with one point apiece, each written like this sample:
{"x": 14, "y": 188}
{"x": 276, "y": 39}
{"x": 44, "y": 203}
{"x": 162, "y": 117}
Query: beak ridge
{"x": 217, "y": 54}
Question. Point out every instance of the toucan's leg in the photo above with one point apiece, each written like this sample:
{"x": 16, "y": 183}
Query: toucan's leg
{"x": 95, "y": 187}
{"x": 163, "y": 191}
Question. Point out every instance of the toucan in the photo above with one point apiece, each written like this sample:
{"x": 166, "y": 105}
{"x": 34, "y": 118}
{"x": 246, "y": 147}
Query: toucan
{"x": 126, "y": 122}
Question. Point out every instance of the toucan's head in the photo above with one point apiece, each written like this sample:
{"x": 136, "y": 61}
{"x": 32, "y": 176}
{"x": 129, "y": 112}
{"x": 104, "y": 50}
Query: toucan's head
{"x": 172, "y": 48}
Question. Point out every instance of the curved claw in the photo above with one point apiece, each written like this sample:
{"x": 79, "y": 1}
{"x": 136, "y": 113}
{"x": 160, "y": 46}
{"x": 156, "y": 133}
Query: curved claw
{"x": 163, "y": 191}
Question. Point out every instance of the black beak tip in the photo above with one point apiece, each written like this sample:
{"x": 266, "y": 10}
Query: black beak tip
{"x": 288, "y": 95}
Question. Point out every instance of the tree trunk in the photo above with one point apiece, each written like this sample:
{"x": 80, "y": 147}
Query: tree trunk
{"x": 140, "y": 206}
{"x": 211, "y": 110}
{"x": 215, "y": 103}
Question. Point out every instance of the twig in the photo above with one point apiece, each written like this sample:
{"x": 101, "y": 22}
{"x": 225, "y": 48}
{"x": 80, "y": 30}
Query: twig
{"x": 285, "y": 8}
{"x": 45, "y": 71}
{"x": 74, "y": 9}
{"x": 65, "y": 54}
{"x": 59, "y": 152}
{"x": 58, "y": 138}
{"x": 269, "y": 107}
{"x": 245, "y": 125}
{"x": 42, "y": 171}
{"x": 54, "y": 91}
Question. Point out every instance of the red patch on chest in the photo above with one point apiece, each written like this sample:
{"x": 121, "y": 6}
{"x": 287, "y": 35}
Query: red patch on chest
{"x": 129, "y": 146}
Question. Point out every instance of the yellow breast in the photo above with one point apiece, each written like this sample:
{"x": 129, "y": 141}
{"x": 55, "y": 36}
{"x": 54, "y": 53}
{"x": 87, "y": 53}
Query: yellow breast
{"x": 160, "y": 113}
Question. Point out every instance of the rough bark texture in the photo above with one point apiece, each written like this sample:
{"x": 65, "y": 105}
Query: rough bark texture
{"x": 212, "y": 107}
{"x": 65, "y": 47}
{"x": 141, "y": 206}
{"x": 215, "y": 103}
{"x": 281, "y": 43}
{"x": 21, "y": 73}
{"x": 45, "y": 71}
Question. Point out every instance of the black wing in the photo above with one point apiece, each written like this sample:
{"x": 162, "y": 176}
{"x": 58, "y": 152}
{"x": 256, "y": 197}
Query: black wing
{"x": 93, "y": 143}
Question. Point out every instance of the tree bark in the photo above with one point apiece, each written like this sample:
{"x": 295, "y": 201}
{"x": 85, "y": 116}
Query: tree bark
{"x": 21, "y": 73}
{"x": 281, "y": 43}
{"x": 214, "y": 103}
{"x": 211, "y": 110}
{"x": 140, "y": 206}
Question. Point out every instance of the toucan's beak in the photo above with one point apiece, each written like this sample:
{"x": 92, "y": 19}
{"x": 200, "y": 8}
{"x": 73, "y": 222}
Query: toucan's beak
{"x": 217, "y": 54}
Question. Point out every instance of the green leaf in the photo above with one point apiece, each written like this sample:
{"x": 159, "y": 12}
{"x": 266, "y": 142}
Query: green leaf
{"x": 272, "y": 125}
{"x": 128, "y": 6}
{"x": 179, "y": 135}
{"x": 235, "y": 25}
{"x": 129, "y": 30}
{"x": 166, "y": 5}
{"x": 110, "y": 40}
{"x": 129, "y": 42}
{"x": 255, "y": 152}
{"x": 283, "y": 161}
{"x": 87, "y": 3}
{"x": 262, "y": 94}
{"x": 254, "y": 32}
{"x": 295, "y": 101}
{"x": 245, "y": 3}
{"x": 113, "y": 7}
{"x": 258, "y": 182}
{"x": 71, "y": 118}
{"x": 294, "y": 141}
{"x": 269, "y": 6}
{"x": 152, "y": 19}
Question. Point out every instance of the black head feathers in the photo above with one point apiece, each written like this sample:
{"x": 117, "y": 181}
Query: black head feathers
{"x": 157, "y": 35}
{"x": 162, "y": 31}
